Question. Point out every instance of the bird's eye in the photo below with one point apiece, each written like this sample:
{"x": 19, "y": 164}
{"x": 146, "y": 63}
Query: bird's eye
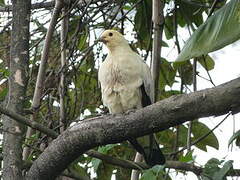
{"x": 110, "y": 34}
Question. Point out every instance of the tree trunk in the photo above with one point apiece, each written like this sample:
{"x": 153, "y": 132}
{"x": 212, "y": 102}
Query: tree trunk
{"x": 12, "y": 137}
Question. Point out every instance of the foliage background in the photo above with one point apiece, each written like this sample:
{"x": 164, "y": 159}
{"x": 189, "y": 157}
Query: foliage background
{"x": 82, "y": 94}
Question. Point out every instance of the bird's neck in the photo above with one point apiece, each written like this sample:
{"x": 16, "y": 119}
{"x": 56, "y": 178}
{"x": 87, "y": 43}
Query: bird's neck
{"x": 118, "y": 50}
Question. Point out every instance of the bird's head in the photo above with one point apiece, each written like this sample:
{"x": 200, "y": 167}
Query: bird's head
{"x": 113, "y": 39}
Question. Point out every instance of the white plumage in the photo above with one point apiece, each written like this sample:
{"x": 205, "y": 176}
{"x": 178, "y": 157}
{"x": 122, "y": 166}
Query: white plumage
{"x": 122, "y": 74}
{"x": 126, "y": 83}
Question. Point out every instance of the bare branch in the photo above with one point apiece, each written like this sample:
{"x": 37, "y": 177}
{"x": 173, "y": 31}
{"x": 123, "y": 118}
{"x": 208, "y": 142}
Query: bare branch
{"x": 140, "y": 166}
{"x": 27, "y": 122}
{"x": 42, "y": 70}
{"x": 61, "y": 87}
{"x": 44, "y": 5}
{"x": 158, "y": 21}
{"x": 34, "y": 6}
{"x": 212, "y": 8}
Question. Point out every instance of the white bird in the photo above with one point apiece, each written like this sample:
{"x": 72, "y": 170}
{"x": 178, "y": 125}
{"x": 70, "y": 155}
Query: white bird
{"x": 126, "y": 84}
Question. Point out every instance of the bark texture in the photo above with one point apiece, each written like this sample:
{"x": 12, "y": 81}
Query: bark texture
{"x": 12, "y": 138}
{"x": 116, "y": 128}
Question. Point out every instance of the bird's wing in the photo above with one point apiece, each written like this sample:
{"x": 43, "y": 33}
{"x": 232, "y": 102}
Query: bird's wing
{"x": 147, "y": 87}
{"x": 101, "y": 73}
{"x": 147, "y": 145}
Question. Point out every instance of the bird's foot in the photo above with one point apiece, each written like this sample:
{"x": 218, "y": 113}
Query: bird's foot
{"x": 130, "y": 111}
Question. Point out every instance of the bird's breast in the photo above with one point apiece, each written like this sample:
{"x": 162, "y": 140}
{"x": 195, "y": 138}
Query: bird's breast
{"x": 115, "y": 76}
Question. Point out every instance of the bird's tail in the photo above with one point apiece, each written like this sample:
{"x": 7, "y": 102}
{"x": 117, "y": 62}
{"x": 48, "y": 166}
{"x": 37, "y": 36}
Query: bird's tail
{"x": 150, "y": 150}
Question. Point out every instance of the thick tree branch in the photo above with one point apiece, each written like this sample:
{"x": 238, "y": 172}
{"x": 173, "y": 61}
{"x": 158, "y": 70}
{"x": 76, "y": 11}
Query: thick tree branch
{"x": 116, "y": 128}
{"x": 95, "y": 154}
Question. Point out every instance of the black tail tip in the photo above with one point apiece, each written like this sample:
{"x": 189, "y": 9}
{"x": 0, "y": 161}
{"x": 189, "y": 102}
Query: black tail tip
{"x": 156, "y": 157}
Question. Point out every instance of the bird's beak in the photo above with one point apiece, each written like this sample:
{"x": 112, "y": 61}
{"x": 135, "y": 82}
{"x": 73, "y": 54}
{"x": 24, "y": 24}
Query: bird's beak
{"x": 102, "y": 39}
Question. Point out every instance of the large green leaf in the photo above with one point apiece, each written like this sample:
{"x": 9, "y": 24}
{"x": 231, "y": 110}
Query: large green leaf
{"x": 213, "y": 171}
{"x": 199, "y": 129}
{"x": 210, "y": 168}
{"x": 221, "y": 174}
{"x": 219, "y": 30}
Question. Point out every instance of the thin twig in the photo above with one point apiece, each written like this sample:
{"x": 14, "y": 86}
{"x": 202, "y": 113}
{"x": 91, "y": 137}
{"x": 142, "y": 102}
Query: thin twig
{"x": 202, "y": 137}
{"x": 212, "y": 8}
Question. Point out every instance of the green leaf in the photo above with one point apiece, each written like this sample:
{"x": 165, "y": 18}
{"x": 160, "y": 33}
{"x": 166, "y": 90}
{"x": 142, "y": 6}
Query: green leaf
{"x": 219, "y": 30}
{"x": 148, "y": 175}
{"x": 96, "y": 163}
{"x": 187, "y": 158}
{"x": 77, "y": 170}
{"x": 3, "y": 93}
{"x": 221, "y": 174}
{"x": 190, "y": 12}
{"x": 185, "y": 70}
{"x": 168, "y": 27}
{"x": 210, "y": 168}
{"x": 207, "y": 62}
{"x": 105, "y": 149}
{"x": 127, "y": 7}
{"x": 105, "y": 171}
{"x": 238, "y": 141}
{"x": 166, "y": 137}
{"x": 167, "y": 74}
{"x": 233, "y": 137}
{"x": 82, "y": 41}
{"x": 164, "y": 44}
{"x": 143, "y": 25}
{"x": 155, "y": 173}
{"x": 182, "y": 137}
{"x": 102, "y": 149}
{"x": 199, "y": 129}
